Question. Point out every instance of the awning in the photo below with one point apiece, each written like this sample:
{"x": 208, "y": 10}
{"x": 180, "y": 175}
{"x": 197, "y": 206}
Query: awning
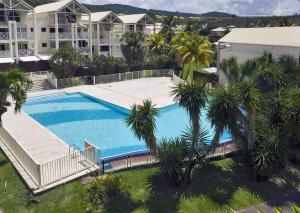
{"x": 29, "y": 58}
{"x": 7, "y": 60}
{"x": 211, "y": 70}
{"x": 44, "y": 57}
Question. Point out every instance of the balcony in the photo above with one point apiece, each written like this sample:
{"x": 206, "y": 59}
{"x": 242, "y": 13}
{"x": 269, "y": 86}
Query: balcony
{"x": 25, "y": 35}
{"x": 84, "y": 49}
{"x": 4, "y": 36}
{"x": 4, "y": 53}
{"x": 26, "y": 52}
{"x": 68, "y": 36}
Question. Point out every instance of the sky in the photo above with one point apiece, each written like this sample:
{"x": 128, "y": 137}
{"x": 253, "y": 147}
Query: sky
{"x": 238, "y": 7}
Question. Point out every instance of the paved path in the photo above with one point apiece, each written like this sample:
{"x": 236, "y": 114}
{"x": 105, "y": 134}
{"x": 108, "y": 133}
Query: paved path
{"x": 283, "y": 202}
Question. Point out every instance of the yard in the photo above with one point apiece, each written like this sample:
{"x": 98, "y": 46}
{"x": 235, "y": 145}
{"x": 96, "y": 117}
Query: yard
{"x": 217, "y": 187}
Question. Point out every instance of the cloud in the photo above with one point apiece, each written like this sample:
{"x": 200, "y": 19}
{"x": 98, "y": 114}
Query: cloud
{"x": 239, "y": 7}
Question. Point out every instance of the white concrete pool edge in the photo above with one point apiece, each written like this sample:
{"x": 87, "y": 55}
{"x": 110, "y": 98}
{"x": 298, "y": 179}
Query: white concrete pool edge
{"x": 41, "y": 145}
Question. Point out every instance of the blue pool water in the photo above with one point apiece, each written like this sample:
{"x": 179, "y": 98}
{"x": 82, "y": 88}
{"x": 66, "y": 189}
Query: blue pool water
{"x": 77, "y": 117}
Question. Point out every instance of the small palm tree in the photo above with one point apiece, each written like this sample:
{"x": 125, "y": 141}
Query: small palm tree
{"x": 142, "y": 121}
{"x": 169, "y": 24}
{"x": 249, "y": 96}
{"x": 191, "y": 96}
{"x": 223, "y": 113}
{"x": 13, "y": 84}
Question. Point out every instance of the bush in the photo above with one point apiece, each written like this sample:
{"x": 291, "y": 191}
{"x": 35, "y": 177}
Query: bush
{"x": 105, "y": 190}
{"x": 102, "y": 65}
{"x": 171, "y": 157}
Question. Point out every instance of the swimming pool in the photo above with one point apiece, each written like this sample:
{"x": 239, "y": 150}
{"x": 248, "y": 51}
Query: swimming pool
{"x": 77, "y": 117}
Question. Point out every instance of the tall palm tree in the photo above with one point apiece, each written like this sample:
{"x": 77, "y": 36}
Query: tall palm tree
{"x": 133, "y": 47}
{"x": 157, "y": 43}
{"x": 249, "y": 96}
{"x": 142, "y": 122}
{"x": 223, "y": 113}
{"x": 191, "y": 96}
{"x": 169, "y": 24}
{"x": 13, "y": 84}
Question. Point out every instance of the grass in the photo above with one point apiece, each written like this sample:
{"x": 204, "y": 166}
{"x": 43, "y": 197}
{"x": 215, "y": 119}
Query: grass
{"x": 217, "y": 187}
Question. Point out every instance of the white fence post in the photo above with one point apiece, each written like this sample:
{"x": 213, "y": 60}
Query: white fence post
{"x": 94, "y": 80}
{"x": 55, "y": 83}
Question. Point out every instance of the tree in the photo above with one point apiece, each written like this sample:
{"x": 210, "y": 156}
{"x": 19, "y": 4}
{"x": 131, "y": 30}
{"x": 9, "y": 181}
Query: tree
{"x": 191, "y": 96}
{"x": 13, "y": 84}
{"x": 231, "y": 69}
{"x": 133, "y": 47}
{"x": 157, "y": 44}
{"x": 191, "y": 49}
{"x": 171, "y": 156}
{"x": 223, "y": 112}
{"x": 102, "y": 65}
{"x": 142, "y": 121}
{"x": 249, "y": 96}
{"x": 169, "y": 24}
{"x": 64, "y": 60}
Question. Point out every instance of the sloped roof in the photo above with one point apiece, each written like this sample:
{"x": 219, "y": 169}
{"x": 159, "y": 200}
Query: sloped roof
{"x": 133, "y": 19}
{"x": 101, "y": 16}
{"x": 278, "y": 36}
{"x": 56, "y": 6}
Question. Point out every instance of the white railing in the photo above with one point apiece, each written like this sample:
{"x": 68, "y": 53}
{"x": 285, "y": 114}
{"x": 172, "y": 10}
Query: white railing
{"x": 63, "y": 35}
{"x": 106, "y": 53}
{"x": 4, "y": 36}
{"x": 25, "y": 35}
{"x": 4, "y": 53}
{"x": 84, "y": 35}
{"x": 104, "y": 41}
{"x": 26, "y": 52}
{"x": 73, "y": 163}
{"x": 83, "y": 49}
{"x": 103, "y": 79}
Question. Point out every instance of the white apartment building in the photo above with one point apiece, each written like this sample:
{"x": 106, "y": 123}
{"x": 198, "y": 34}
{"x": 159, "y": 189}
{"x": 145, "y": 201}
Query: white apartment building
{"x": 17, "y": 34}
{"x": 107, "y": 32}
{"x": 137, "y": 23}
{"x": 61, "y": 23}
{"x": 31, "y": 34}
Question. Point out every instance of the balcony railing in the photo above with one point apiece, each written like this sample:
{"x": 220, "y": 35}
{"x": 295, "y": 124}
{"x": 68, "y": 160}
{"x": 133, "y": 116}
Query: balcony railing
{"x": 25, "y": 35}
{"x": 4, "y": 53}
{"x": 4, "y": 36}
{"x": 68, "y": 35}
{"x": 83, "y": 49}
{"x": 26, "y": 52}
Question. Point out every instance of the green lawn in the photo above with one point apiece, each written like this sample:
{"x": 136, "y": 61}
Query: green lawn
{"x": 216, "y": 187}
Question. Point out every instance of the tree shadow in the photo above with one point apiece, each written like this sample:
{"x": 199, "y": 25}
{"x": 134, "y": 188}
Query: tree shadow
{"x": 122, "y": 205}
{"x": 214, "y": 182}
{"x": 3, "y": 162}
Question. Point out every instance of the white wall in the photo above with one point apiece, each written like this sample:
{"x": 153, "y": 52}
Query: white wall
{"x": 247, "y": 51}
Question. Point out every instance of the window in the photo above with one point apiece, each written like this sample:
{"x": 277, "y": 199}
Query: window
{"x": 2, "y": 47}
{"x": 131, "y": 27}
{"x": 43, "y": 29}
{"x": 31, "y": 29}
{"x": 14, "y": 16}
{"x": 44, "y": 45}
{"x": 52, "y": 30}
{"x": 140, "y": 27}
{"x": 2, "y": 13}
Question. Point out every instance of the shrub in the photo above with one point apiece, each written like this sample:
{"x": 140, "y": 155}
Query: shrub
{"x": 171, "y": 156}
{"x": 105, "y": 190}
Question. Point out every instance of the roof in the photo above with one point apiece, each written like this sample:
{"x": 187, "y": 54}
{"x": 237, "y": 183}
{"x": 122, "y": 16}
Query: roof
{"x": 280, "y": 36}
{"x": 219, "y": 29}
{"x": 56, "y": 6}
{"x": 100, "y": 16}
{"x": 133, "y": 19}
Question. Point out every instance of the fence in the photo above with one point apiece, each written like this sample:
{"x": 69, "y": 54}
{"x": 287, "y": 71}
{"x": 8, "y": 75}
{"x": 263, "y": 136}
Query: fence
{"x": 73, "y": 163}
{"x": 103, "y": 79}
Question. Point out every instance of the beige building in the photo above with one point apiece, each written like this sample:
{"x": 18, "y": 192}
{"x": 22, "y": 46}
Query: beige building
{"x": 17, "y": 35}
{"x": 31, "y": 34}
{"x": 247, "y": 43}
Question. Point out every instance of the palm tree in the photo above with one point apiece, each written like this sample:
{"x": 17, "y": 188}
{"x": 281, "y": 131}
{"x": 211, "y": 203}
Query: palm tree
{"x": 13, "y": 84}
{"x": 133, "y": 47}
{"x": 191, "y": 49}
{"x": 223, "y": 113}
{"x": 142, "y": 122}
{"x": 157, "y": 43}
{"x": 249, "y": 96}
{"x": 169, "y": 24}
{"x": 191, "y": 96}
